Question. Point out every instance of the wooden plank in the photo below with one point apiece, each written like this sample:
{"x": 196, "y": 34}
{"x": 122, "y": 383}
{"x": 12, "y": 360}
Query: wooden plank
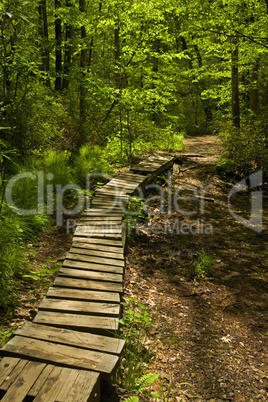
{"x": 81, "y": 322}
{"x": 155, "y": 166}
{"x": 88, "y": 284}
{"x": 7, "y": 365}
{"x": 14, "y": 374}
{"x": 40, "y": 380}
{"x": 56, "y": 380}
{"x": 100, "y": 222}
{"x": 89, "y": 274}
{"x": 62, "y": 354}
{"x": 82, "y": 388}
{"x": 131, "y": 177}
{"x": 99, "y": 248}
{"x": 83, "y": 231}
{"x": 23, "y": 383}
{"x": 71, "y": 306}
{"x": 101, "y": 242}
{"x": 103, "y": 214}
{"x": 103, "y": 230}
{"x": 88, "y": 227}
{"x": 87, "y": 295}
{"x": 102, "y": 258}
{"x": 91, "y": 266}
{"x": 82, "y": 340}
{"x": 113, "y": 192}
{"x": 105, "y": 262}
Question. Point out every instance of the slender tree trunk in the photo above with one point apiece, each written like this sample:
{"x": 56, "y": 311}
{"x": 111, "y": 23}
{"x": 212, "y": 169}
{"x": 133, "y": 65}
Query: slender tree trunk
{"x": 117, "y": 55}
{"x": 235, "y": 87}
{"x": 58, "y": 53}
{"x": 82, "y": 89}
{"x": 254, "y": 93}
{"x": 45, "y": 54}
{"x": 155, "y": 73}
{"x": 67, "y": 51}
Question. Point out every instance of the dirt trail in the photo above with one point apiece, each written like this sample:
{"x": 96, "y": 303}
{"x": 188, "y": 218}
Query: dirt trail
{"x": 210, "y": 332}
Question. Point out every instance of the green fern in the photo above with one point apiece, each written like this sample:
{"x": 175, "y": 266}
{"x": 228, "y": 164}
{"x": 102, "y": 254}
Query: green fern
{"x": 145, "y": 381}
{"x": 132, "y": 399}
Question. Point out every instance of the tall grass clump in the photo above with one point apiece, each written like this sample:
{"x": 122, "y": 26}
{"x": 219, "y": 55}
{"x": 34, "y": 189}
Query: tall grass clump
{"x": 90, "y": 159}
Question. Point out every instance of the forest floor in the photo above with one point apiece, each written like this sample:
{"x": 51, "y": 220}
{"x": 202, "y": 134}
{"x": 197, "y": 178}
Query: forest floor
{"x": 211, "y": 332}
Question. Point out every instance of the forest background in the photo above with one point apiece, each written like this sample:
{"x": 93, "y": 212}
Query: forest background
{"x": 87, "y": 85}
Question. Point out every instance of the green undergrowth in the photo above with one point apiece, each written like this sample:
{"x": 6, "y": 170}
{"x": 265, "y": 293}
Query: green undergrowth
{"x": 133, "y": 374}
{"x": 52, "y": 170}
{"x": 245, "y": 149}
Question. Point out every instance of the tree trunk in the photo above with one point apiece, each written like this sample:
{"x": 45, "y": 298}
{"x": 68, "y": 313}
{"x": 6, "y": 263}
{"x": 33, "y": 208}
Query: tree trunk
{"x": 45, "y": 54}
{"x": 58, "y": 52}
{"x": 235, "y": 87}
{"x": 67, "y": 52}
{"x": 254, "y": 93}
{"x": 82, "y": 89}
{"x": 117, "y": 55}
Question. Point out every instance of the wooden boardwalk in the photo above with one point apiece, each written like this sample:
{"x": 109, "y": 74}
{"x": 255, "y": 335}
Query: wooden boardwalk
{"x": 70, "y": 350}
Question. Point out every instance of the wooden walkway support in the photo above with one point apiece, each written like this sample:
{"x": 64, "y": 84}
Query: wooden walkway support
{"x": 70, "y": 350}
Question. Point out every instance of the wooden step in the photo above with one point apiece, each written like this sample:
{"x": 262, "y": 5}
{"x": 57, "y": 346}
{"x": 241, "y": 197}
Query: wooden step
{"x": 71, "y": 306}
{"x": 28, "y": 380}
{"x": 80, "y": 249}
{"x": 82, "y": 340}
{"x": 74, "y": 283}
{"x": 92, "y": 257}
{"x": 92, "y": 266}
{"x": 81, "y": 322}
{"x": 89, "y": 274}
{"x": 70, "y": 356}
{"x": 81, "y": 294}
{"x": 102, "y": 248}
{"x": 102, "y": 242}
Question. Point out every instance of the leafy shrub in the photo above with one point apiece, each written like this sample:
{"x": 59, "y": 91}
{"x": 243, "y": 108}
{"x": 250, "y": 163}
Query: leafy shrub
{"x": 203, "y": 265}
{"x": 246, "y": 149}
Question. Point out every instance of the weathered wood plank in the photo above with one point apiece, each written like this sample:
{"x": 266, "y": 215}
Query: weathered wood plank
{"x": 91, "y": 266}
{"x": 103, "y": 214}
{"x": 156, "y": 166}
{"x": 82, "y": 388}
{"x": 90, "y": 256}
{"x": 100, "y": 222}
{"x": 40, "y": 380}
{"x": 83, "y": 231}
{"x": 108, "y": 250}
{"x": 88, "y": 284}
{"x": 95, "y": 260}
{"x": 61, "y": 354}
{"x": 101, "y": 242}
{"x": 56, "y": 380}
{"x": 88, "y": 274}
{"x": 7, "y": 365}
{"x": 23, "y": 383}
{"x": 71, "y": 306}
{"x": 131, "y": 177}
{"x": 99, "y": 229}
{"x": 82, "y": 340}
{"x": 14, "y": 374}
{"x": 103, "y": 325}
{"x": 81, "y": 294}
